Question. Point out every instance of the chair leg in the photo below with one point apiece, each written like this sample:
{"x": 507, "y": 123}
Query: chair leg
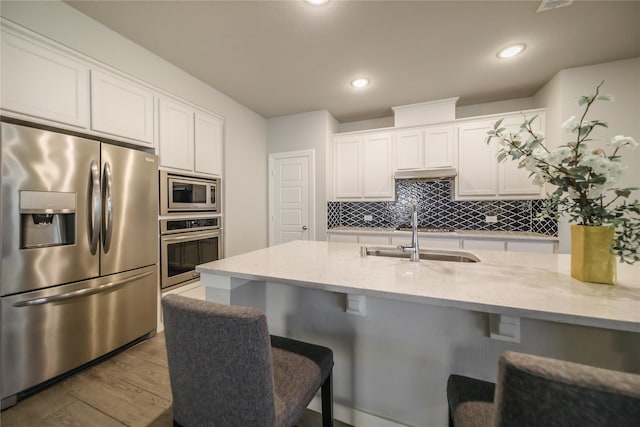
{"x": 327, "y": 401}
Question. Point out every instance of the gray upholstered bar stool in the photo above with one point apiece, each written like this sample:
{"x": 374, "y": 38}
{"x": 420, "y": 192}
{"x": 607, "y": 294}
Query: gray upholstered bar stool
{"x": 226, "y": 370}
{"x": 538, "y": 391}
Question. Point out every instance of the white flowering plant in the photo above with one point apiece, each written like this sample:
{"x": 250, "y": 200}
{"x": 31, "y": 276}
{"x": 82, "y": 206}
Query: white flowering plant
{"x": 585, "y": 178}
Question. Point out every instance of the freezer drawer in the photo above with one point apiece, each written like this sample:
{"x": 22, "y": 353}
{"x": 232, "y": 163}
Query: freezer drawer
{"x": 49, "y": 332}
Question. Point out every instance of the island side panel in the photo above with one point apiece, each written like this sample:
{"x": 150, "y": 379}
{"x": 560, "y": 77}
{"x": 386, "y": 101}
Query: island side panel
{"x": 394, "y": 361}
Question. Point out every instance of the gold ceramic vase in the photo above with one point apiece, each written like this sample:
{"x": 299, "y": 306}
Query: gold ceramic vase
{"x": 591, "y": 259}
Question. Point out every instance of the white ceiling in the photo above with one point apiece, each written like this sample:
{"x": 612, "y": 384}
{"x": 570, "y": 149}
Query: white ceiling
{"x": 286, "y": 57}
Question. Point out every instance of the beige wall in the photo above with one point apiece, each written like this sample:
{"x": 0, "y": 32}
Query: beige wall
{"x": 560, "y": 95}
{"x": 307, "y": 131}
{"x": 245, "y": 196}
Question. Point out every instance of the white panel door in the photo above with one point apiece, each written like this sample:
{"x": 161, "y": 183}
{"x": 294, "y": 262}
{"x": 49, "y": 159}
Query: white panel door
{"x": 43, "y": 83}
{"x": 377, "y": 177}
{"x": 513, "y": 180}
{"x": 476, "y": 161}
{"x": 122, "y": 108}
{"x": 348, "y": 177}
{"x": 208, "y": 144}
{"x": 176, "y": 135}
{"x": 438, "y": 147}
{"x": 410, "y": 149}
{"x": 291, "y": 199}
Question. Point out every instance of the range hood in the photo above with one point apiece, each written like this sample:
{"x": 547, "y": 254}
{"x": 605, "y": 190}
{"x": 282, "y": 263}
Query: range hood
{"x": 428, "y": 174}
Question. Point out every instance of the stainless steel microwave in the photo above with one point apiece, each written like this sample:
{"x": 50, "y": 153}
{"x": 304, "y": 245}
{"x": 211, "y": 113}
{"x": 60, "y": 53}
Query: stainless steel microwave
{"x": 180, "y": 193}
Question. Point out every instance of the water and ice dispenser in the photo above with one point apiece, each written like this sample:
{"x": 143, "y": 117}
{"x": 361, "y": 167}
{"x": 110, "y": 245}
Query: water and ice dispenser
{"x": 47, "y": 218}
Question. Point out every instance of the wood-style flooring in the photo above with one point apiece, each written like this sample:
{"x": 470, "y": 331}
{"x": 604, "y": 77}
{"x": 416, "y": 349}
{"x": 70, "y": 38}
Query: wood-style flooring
{"x": 130, "y": 388}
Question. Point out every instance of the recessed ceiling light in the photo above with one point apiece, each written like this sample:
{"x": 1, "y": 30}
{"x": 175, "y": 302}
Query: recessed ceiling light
{"x": 360, "y": 82}
{"x": 316, "y": 2}
{"x": 511, "y": 51}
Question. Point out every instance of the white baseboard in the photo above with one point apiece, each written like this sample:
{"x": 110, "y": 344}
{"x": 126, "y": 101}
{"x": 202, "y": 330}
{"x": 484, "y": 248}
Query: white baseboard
{"x": 352, "y": 416}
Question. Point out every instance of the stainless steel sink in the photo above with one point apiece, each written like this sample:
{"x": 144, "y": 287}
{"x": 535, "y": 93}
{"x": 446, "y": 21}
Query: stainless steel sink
{"x": 427, "y": 254}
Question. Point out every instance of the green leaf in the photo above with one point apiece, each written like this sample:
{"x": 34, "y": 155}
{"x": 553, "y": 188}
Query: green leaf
{"x": 605, "y": 98}
{"x": 583, "y": 100}
{"x": 497, "y": 124}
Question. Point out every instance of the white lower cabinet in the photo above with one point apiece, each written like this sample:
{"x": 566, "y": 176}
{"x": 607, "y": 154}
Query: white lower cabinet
{"x": 532, "y": 246}
{"x": 428, "y": 242}
{"x": 121, "y": 108}
{"x": 189, "y": 140}
{"x": 454, "y": 242}
{"x": 484, "y": 245}
{"x": 41, "y": 83}
{"x": 343, "y": 238}
{"x": 372, "y": 239}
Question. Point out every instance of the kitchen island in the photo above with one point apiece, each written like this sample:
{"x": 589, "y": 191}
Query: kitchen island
{"x": 419, "y": 322}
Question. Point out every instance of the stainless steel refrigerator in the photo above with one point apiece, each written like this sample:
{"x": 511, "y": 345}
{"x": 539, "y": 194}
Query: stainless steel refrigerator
{"x": 79, "y": 253}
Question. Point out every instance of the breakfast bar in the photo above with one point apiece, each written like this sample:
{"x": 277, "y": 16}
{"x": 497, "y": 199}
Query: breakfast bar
{"x": 399, "y": 328}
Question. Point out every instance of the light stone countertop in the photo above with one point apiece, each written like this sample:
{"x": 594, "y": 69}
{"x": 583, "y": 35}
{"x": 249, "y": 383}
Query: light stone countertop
{"x": 530, "y": 285}
{"x": 477, "y": 234}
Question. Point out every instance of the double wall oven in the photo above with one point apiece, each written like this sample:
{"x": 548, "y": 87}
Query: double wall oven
{"x": 190, "y": 226}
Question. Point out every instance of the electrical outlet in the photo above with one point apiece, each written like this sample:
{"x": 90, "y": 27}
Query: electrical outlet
{"x": 491, "y": 218}
{"x": 368, "y": 218}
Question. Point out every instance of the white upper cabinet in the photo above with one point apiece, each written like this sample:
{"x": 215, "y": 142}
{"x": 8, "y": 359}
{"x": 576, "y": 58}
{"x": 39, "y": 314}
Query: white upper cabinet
{"x": 363, "y": 167}
{"x": 513, "y": 180}
{"x": 410, "y": 149}
{"x": 377, "y": 176}
{"x": 427, "y": 147}
{"x": 208, "y": 144}
{"x": 477, "y": 165}
{"x": 438, "y": 147}
{"x": 480, "y": 176}
{"x": 175, "y": 135}
{"x": 190, "y": 140}
{"x": 348, "y": 167}
{"x": 121, "y": 108}
{"x": 42, "y": 84}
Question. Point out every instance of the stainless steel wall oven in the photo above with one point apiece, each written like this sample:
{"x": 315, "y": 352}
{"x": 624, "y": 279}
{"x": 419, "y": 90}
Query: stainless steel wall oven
{"x": 184, "y": 243}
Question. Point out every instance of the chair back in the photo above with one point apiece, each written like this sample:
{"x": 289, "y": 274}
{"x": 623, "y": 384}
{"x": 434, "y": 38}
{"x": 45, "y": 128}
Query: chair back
{"x": 220, "y": 363}
{"x": 537, "y": 391}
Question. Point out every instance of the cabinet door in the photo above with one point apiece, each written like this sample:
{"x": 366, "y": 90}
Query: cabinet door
{"x": 438, "y": 147}
{"x": 343, "y": 238}
{"x": 372, "y": 239}
{"x": 376, "y": 163}
{"x": 512, "y": 180}
{"x": 532, "y": 246}
{"x": 122, "y": 108}
{"x": 42, "y": 83}
{"x": 477, "y": 162}
{"x": 486, "y": 245}
{"x": 208, "y": 144}
{"x": 410, "y": 149}
{"x": 348, "y": 167}
{"x": 175, "y": 135}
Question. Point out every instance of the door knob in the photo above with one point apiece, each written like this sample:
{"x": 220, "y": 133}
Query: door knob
{"x": 304, "y": 227}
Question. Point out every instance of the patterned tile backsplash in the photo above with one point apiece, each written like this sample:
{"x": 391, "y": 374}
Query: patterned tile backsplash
{"x": 436, "y": 208}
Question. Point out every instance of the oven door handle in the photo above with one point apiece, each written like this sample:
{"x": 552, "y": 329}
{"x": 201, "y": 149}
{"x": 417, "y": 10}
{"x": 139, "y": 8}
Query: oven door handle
{"x": 190, "y": 236}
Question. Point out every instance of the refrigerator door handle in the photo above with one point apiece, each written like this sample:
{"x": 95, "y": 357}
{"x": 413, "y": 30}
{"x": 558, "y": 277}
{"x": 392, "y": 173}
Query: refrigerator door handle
{"x": 95, "y": 213}
{"x": 107, "y": 216}
{"x": 80, "y": 292}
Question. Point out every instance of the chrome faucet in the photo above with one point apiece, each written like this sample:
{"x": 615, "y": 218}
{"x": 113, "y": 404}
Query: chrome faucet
{"x": 415, "y": 247}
